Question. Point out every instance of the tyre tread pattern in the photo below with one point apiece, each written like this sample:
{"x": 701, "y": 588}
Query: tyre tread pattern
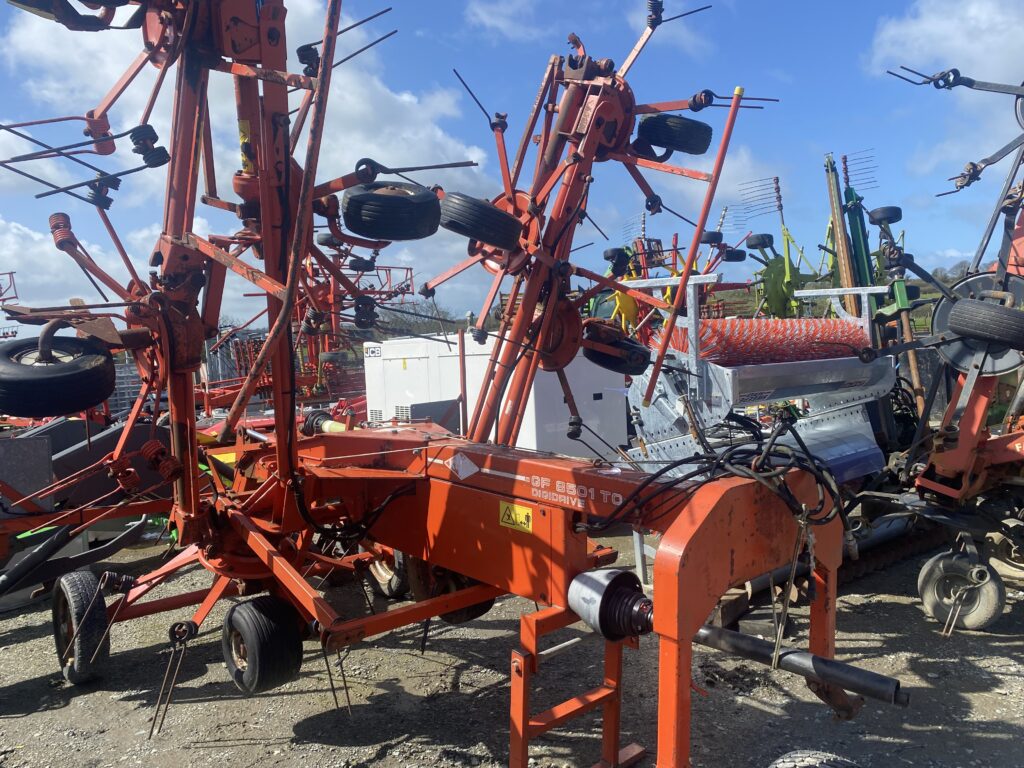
{"x": 59, "y": 389}
{"x": 78, "y": 589}
{"x": 480, "y": 220}
{"x": 812, "y": 758}
{"x": 370, "y": 213}
{"x": 988, "y": 321}
{"x": 680, "y": 134}
{"x": 270, "y": 628}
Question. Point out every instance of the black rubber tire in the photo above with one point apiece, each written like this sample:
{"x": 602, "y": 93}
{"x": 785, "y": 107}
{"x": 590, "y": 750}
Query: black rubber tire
{"x": 261, "y": 643}
{"x": 888, "y": 214}
{"x": 480, "y": 220}
{"x": 946, "y": 571}
{"x": 637, "y": 361}
{"x": 680, "y": 134}
{"x": 73, "y": 593}
{"x": 812, "y": 758}
{"x": 760, "y": 241}
{"x": 711, "y": 237}
{"x": 391, "y": 210}
{"x": 83, "y": 380}
{"x": 423, "y": 585}
{"x": 988, "y": 321}
{"x": 1003, "y": 548}
{"x": 390, "y": 581}
{"x": 618, "y": 259}
{"x": 734, "y": 255}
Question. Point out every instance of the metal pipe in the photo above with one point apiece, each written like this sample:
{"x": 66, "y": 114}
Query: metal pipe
{"x": 808, "y": 665}
{"x": 887, "y": 529}
{"x": 709, "y": 197}
{"x": 46, "y": 339}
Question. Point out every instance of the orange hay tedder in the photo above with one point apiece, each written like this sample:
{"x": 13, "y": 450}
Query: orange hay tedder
{"x": 469, "y": 520}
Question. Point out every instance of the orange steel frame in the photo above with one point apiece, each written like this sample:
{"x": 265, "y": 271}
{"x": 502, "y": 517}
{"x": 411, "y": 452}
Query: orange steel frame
{"x": 440, "y": 497}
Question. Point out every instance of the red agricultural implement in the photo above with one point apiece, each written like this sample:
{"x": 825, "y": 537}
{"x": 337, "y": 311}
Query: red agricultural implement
{"x": 469, "y": 519}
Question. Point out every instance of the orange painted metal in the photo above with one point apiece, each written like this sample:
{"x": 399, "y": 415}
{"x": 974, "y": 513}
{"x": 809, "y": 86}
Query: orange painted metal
{"x": 509, "y": 520}
{"x": 691, "y": 257}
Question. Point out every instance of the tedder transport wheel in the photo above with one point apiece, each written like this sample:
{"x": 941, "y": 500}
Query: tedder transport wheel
{"x": 887, "y": 214}
{"x": 261, "y": 644}
{"x": 634, "y": 360}
{"x": 710, "y": 237}
{"x": 480, "y": 220}
{"x": 680, "y": 134}
{"x": 80, "y": 612}
{"x": 760, "y": 241}
{"x": 81, "y": 376}
{"x": 988, "y": 321}
{"x": 426, "y": 580}
{"x": 980, "y": 589}
{"x": 1006, "y": 550}
{"x": 811, "y": 758}
{"x": 391, "y": 210}
{"x": 390, "y": 577}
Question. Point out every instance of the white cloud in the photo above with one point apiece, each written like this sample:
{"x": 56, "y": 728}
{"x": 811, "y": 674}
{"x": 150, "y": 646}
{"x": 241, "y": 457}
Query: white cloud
{"x": 45, "y": 276}
{"x": 680, "y": 34}
{"x": 366, "y": 118}
{"x": 512, "y": 19}
{"x": 981, "y": 38}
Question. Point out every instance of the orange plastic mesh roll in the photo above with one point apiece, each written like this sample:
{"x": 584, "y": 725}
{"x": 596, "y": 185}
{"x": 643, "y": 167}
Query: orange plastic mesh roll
{"x": 740, "y": 341}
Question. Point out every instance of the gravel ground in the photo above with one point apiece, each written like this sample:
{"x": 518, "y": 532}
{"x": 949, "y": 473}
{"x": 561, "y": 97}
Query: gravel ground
{"x": 448, "y": 706}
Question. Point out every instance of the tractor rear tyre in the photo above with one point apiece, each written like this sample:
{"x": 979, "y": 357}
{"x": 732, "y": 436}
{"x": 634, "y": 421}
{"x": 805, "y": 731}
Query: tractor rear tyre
{"x": 81, "y": 376}
{"x": 391, "y": 210}
{"x": 680, "y": 134}
{"x": 812, "y": 758}
{"x": 80, "y": 613}
{"x": 480, "y": 220}
{"x": 988, "y": 321}
{"x": 261, "y": 643}
{"x": 945, "y": 575}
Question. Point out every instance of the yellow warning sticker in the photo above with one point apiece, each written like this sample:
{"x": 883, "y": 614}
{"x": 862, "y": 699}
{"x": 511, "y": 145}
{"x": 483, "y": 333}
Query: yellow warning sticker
{"x": 515, "y": 516}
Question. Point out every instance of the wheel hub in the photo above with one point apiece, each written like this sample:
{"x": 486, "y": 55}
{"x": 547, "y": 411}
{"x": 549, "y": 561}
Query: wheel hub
{"x": 239, "y": 653}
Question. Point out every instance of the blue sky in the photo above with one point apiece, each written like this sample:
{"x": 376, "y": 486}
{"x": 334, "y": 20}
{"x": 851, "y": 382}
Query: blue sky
{"x": 400, "y": 104}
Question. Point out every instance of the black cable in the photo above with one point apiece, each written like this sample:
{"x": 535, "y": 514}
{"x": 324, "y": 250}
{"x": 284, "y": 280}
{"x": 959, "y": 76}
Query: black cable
{"x": 767, "y": 464}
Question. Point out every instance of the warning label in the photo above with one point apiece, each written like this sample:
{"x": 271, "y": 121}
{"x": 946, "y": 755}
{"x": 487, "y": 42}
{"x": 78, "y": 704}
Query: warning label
{"x": 515, "y": 516}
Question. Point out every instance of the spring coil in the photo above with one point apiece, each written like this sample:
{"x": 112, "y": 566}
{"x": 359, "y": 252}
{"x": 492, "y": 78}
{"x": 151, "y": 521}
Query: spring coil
{"x": 60, "y": 228}
{"x": 655, "y": 9}
{"x": 170, "y": 468}
{"x": 152, "y": 451}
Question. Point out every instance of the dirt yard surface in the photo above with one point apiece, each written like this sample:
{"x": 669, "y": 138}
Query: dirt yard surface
{"x": 449, "y": 706}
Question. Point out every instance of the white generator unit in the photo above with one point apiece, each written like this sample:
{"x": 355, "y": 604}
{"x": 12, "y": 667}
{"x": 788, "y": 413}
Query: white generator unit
{"x": 416, "y": 378}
